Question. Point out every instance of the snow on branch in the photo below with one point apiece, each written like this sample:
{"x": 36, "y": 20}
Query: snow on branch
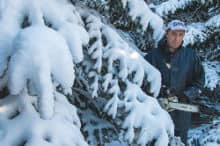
{"x": 136, "y": 101}
{"x": 20, "y": 123}
{"x": 140, "y": 9}
{"x": 207, "y": 134}
{"x": 195, "y": 33}
{"x": 10, "y": 25}
{"x": 94, "y": 127}
{"x": 95, "y": 50}
{"x": 35, "y": 60}
{"x": 22, "y": 13}
{"x": 200, "y": 31}
{"x": 214, "y": 22}
{"x": 171, "y": 6}
{"x": 33, "y": 47}
{"x": 212, "y": 71}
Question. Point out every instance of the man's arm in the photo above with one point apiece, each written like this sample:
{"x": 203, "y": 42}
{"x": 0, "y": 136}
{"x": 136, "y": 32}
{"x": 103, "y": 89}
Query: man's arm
{"x": 199, "y": 74}
{"x": 195, "y": 89}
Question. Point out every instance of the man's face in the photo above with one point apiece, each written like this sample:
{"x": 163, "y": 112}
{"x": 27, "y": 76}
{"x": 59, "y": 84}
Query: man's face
{"x": 174, "y": 39}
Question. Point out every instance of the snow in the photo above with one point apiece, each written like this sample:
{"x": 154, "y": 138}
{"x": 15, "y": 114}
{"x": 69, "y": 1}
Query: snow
{"x": 214, "y": 21}
{"x": 137, "y": 103}
{"x": 200, "y": 31}
{"x": 139, "y": 9}
{"x": 171, "y": 6}
{"x": 116, "y": 143}
{"x": 207, "y": 134}
{"x": 36, "y": 11}
{"x": 112, "y": 105}
{"x": 94, "y": 124}
{"x": 35, "y": 50}
{"x": 212, "y": 71}
{"x": 212, "y": 144}
{"x": 28, "y": 128}
{"x": 74, "y": 40}
{"x": 196, "y": 32}
{"x": 35, "y": 59}
{"x": 10, "y": 26}
{"x": 95, "y": 50}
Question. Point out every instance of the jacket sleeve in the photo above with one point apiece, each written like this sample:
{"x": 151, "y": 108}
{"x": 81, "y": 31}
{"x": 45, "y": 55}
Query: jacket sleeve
{"x": 199, "y": 75}
{"x": 195, "y": 90}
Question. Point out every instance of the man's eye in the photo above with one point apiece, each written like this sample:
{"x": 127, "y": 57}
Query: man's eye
{"x": 181, "y": 34}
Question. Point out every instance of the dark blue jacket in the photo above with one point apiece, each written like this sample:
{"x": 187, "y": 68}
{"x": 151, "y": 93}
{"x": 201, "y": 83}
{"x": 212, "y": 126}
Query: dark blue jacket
{"x": 181, "y": 72}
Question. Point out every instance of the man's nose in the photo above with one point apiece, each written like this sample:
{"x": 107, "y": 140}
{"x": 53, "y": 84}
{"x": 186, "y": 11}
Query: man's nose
{"x": 177, "y": 38}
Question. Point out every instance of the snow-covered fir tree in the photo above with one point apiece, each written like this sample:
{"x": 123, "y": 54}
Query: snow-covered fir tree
{"x": 72, "y": 72}
{"x": 45, "y": 47}
{"x": 202, "y": 19}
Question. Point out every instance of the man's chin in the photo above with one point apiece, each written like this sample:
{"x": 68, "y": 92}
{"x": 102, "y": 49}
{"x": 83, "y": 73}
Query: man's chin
{"x": 172, "y": 50}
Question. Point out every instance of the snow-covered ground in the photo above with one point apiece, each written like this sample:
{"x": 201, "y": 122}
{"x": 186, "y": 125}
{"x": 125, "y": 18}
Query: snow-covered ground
{"x": 212, "y": 74}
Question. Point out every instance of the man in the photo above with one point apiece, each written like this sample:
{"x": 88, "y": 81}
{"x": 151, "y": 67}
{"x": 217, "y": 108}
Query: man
{"x": 181, "y": 71}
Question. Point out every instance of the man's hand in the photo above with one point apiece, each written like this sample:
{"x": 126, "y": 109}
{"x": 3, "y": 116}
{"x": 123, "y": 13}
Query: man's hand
{"x": 165, "y": 91}
{"x": 192, "y": 93}
{"x": 164, "y": 102}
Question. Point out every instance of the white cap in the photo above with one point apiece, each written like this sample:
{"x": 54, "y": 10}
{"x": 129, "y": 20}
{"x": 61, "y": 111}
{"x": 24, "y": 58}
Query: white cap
{"x": 176, "y": 25}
